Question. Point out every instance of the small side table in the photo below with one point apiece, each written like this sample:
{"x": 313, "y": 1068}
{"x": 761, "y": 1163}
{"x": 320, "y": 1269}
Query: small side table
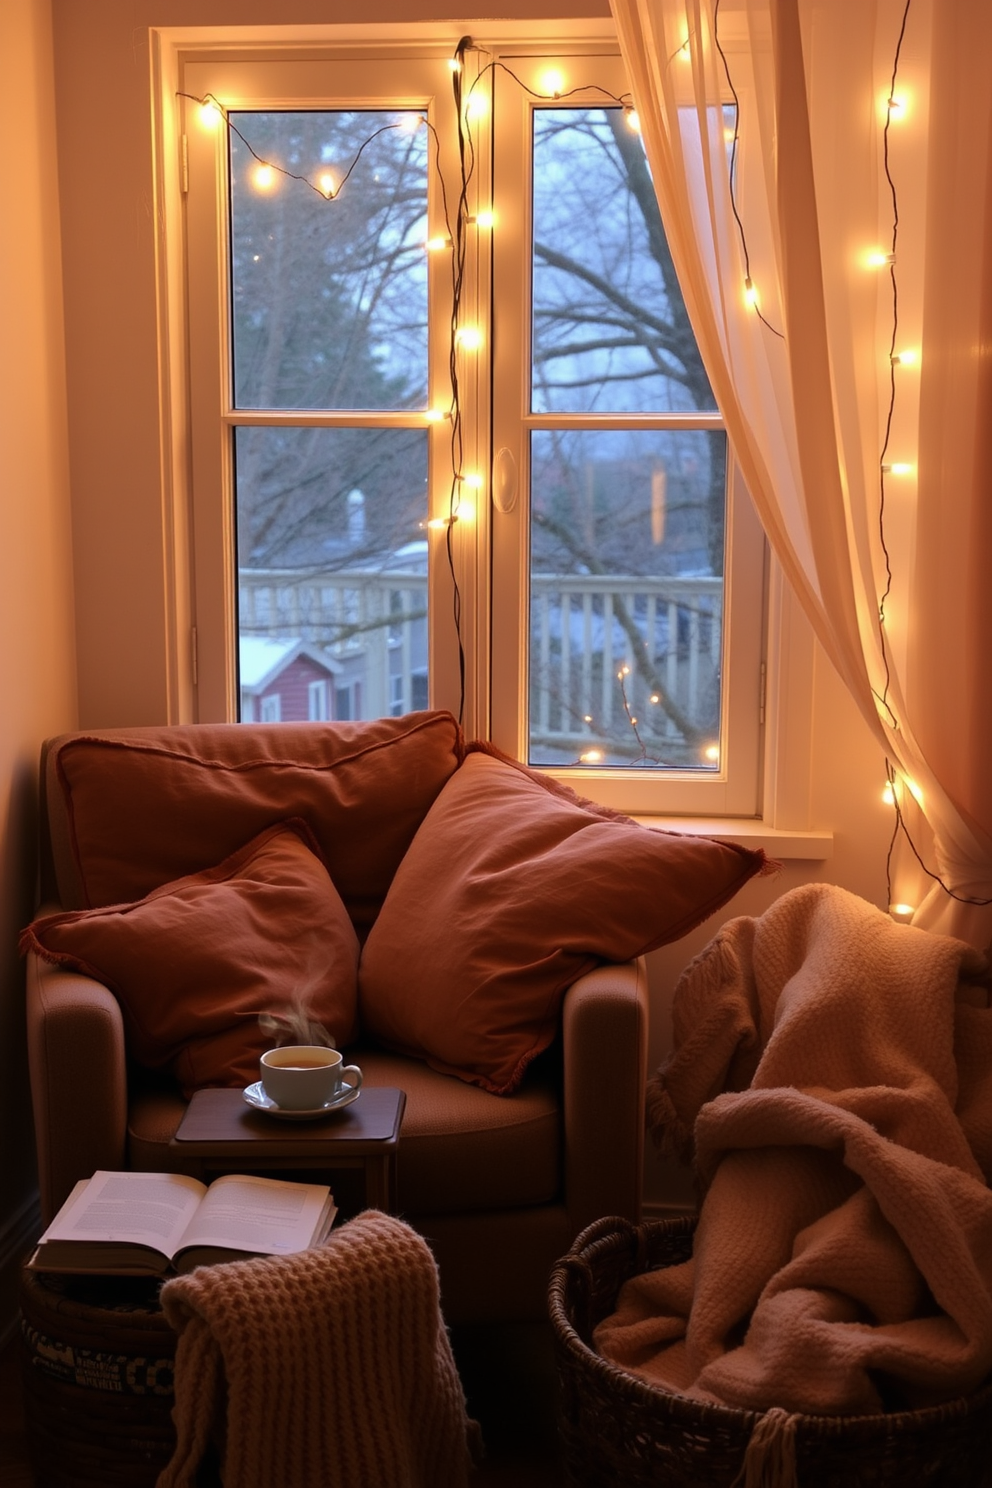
{"x": 220, "y": 1133}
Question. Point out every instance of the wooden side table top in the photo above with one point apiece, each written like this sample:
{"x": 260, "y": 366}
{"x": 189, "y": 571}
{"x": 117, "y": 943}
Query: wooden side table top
{"x": 216, "y": 1119}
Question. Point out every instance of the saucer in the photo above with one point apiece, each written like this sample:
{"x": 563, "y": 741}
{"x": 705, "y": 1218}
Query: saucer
{"x": 257, "y": 1098}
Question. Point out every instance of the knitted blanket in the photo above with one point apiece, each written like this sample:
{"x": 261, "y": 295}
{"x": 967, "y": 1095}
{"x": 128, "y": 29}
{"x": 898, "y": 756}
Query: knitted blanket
{"x": 836, "y": 1072}
{"x": 327, "y": 1369}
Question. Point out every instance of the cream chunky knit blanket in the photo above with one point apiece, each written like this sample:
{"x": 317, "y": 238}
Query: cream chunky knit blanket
{"x": 328, "y": 1369}
{"x": 835, "y": 1072}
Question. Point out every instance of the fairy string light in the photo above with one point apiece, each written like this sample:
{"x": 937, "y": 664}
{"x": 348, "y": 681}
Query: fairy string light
{"x": 750, "y": 292}
{"x": 886, "y": 468}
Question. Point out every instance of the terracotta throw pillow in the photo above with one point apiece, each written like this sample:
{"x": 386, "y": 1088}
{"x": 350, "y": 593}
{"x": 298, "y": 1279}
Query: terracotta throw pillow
{"x": 511, "y": 890}
{"x": 195, "y": 963}
{"x": 133, "y": 809}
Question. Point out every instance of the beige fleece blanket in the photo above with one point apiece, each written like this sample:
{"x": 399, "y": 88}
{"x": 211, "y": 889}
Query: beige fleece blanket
{"x": 835, "y": 1070}
{"x": 328, "y": 1369}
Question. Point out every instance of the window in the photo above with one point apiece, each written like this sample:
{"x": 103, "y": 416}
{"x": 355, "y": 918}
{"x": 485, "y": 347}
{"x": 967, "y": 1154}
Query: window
{"x": 603, "y": 560}
{"x": 317, "y": 707}
{"x": 271, "y": 708}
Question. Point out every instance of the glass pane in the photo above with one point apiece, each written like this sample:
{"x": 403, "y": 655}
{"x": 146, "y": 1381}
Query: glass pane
{"x": 329, "y": 294}
{"x": 610, "y": 332}
{"x": 627, "y": 543}
{"x": 332, "y": 572}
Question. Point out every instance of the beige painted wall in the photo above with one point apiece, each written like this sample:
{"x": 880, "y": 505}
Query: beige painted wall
{"x": 37, "y": 667}
{"x": 121, "y": 517}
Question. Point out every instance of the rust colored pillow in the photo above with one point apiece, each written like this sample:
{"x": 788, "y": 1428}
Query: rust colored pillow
{"x": 195, "y": 962}
{"x": 134, "y": 809}
{"x": 510, "y": 891}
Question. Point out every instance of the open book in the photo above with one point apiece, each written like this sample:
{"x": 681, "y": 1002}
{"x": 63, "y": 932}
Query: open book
{"x": 147, "y": 1224}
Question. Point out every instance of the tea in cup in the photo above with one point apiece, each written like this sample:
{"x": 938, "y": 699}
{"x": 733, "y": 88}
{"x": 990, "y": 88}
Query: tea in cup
{"x": 304, "y": 1077}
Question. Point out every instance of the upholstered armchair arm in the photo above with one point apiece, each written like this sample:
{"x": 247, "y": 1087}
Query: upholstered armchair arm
{"x": 78, "y": 1080}
{"x": 605, "y": 1025}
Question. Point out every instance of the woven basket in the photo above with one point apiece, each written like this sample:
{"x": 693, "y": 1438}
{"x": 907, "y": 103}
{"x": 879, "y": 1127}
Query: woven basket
{"x": 97, "y": 1359}
{"x": 618, "y": 1430}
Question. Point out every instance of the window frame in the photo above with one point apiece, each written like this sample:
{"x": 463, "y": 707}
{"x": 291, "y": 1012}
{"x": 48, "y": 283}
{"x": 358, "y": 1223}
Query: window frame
{"x": 490, "y": 551}
{"x": 734, "y": 788}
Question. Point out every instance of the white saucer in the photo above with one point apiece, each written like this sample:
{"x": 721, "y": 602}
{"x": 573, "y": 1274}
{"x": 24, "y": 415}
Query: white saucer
{"x": 257, "y": 1098}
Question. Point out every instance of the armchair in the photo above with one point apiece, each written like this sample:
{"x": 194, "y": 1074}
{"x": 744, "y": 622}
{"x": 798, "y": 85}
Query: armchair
{"x": 499, "y": 1185}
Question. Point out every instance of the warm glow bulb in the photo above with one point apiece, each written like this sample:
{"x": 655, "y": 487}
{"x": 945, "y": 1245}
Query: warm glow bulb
{"x": 750, "y": 293}
{"x": 263, "y": 177}
{"x": 434, "y": 245}
{"x": 435, "y": 415}
{"x": 484, "y": 219}
{"x": 327, "y": 183}
{"x": 685, "y": 52}
{"x": 454, "y": 64}
{"x": 712, "y": 752}
{"x": 587, "y": 718}
{"x": 438, "y": 524}
{"x": 907, "y": 358}
{"x": 553, "y": 82}
{"x": 210, "y": 114}
{"x": 591, "y": 756}
{"x": 469, "y": 338}
{"x": 899, "y": 468}
{"x": 477, "y": 106}
{"x": 878, "y": 259}
{"x": 633, "y": 121}
{"x": 410, "y": 123}
{"x": 473, "y": 480}
{"x": 655, "y": 697}
{"x": 902, "y": 912}
{"x": 889, "y": 796}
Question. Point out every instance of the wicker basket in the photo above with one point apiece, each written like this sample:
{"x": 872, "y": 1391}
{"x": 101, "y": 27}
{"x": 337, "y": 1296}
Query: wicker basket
{"x": 618, "y": 1430}
{"x": 97, "y": 1359}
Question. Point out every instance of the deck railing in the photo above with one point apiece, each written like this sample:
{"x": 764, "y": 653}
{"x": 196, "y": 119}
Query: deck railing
{"x": 585, "y": 628}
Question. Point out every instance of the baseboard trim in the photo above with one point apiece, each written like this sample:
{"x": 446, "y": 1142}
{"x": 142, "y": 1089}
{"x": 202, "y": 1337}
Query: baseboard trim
{"x": 655, "y": 1209}
{"x": 17, "y": 1235}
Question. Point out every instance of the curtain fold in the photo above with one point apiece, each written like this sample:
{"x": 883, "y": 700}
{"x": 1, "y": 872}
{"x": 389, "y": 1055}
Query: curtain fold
{"x": 819, "y": 231}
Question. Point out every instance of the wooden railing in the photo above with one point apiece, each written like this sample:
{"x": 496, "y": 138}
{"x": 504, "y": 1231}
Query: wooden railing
{"x": 585, "y": 629}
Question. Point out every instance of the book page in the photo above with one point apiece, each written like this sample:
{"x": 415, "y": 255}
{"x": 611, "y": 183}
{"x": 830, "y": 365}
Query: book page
{"x": 150, "y": 1209}
{"x": 258, "y": 1214}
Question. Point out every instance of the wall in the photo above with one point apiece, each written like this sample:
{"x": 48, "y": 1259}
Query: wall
{"x": 37, "y": 677}
{"x": 124, "y": 530}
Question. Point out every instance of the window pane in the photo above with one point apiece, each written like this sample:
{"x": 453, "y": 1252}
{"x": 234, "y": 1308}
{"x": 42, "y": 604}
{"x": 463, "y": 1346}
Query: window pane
{"x": 610, "y": 330}
{"x": 329, "y": 296}
{"x": 627, "y": 547}
{"x": 332, "y": 570}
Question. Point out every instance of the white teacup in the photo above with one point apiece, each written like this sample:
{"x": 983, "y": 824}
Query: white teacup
{"x": 304, "y": 1077}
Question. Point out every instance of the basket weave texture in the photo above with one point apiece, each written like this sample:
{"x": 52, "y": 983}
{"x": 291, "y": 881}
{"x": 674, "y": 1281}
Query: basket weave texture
{"x": 616, "y": 1429}
{"x": 97, "y": 1357}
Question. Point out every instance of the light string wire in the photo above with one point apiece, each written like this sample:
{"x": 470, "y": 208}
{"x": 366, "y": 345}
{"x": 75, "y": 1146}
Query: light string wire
{"x": 899, "y": 825}
{"x": 733, "y": 171}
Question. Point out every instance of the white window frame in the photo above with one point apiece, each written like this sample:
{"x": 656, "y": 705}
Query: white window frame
{"x": 318, "y": 703}
{"x": 733, "y": 788}
{"x": 204, "y": 589}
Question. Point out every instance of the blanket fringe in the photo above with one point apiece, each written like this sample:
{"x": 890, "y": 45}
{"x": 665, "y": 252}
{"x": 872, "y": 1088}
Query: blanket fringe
{"x": 770, "y": 1459}
{"x": 672, "y": 1137}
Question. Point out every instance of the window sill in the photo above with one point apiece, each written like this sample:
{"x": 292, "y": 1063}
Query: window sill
{"x": 811, "y": 846}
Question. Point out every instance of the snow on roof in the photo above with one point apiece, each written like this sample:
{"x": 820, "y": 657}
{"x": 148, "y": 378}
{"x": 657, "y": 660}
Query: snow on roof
{"x": 260, "y": 655}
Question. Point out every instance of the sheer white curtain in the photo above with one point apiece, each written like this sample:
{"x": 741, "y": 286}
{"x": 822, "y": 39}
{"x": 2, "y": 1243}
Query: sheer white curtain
{"x": 816, "y": 409}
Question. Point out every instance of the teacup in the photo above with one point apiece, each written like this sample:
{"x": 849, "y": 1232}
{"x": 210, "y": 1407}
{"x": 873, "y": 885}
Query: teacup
{"x": 304, "y": 1077}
